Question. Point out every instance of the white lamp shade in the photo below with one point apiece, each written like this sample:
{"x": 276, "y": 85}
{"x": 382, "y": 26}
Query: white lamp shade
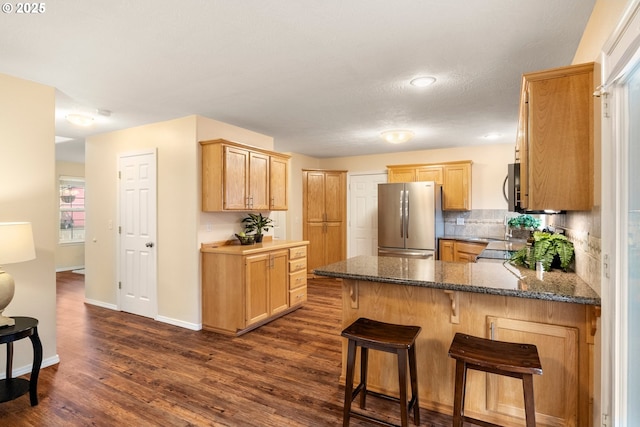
{"x": 16, "y": 242}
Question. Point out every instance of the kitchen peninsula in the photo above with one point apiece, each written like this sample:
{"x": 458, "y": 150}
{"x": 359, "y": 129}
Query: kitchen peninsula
{"x": 494, "y": 300}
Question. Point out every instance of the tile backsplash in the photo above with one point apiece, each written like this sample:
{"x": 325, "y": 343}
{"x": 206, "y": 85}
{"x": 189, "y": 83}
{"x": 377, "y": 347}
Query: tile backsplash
{"x": 581, "y": 228}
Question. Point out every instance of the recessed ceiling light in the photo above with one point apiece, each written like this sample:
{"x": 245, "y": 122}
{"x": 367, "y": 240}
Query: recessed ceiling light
{"x": 397, "y": 136}
{"x": 80, "y": 119}
{"x": 493, "y": 135}
{"x": 423, "y": 81}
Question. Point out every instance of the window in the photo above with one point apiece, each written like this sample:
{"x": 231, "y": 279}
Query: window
{"x": 71, "y": 209}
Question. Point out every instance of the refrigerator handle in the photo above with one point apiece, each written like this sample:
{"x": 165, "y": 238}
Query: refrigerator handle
{"x": 406, "y": 214}
{"x": 401, "y": 213}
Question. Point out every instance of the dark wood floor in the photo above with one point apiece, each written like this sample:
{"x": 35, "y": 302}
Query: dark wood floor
{"x": 118, "y": 369}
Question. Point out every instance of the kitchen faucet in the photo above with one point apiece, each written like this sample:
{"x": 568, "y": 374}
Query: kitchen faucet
{"x": 507, "y": 229}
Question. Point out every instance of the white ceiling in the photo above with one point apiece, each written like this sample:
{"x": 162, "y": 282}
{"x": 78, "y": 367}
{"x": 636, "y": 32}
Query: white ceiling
{"x": 323, "y": 77}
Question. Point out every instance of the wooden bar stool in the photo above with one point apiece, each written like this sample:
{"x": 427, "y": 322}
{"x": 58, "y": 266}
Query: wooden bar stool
{"x": 398, "y": 339}
{"x": 496, "y": 357}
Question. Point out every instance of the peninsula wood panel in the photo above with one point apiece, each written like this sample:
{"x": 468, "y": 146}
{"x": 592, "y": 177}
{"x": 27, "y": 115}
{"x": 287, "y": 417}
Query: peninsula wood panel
{"x": 432, "y": 310}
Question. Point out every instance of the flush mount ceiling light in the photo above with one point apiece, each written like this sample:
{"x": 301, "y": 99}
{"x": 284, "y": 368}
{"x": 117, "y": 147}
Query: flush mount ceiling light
{"x": 423, "y": 81}
{"x": 397, "y": 136}
{"x": 80, "y": 119}
{"x": 493, "y": 135}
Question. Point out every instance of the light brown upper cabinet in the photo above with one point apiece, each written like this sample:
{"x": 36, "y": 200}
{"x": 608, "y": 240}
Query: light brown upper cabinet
{"x": 554, "y": 145}
{"x": 455, "y": 178}
{"x": 324, "y": 216}
{"x": 237, "y": 177}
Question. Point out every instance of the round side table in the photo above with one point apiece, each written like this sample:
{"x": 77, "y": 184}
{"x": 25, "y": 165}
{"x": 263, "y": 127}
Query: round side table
{"x": 12, "y": 388}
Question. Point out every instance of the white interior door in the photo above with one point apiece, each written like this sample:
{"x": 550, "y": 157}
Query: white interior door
{"x": 363, "y": 213}
{"x": 137, "y": 197}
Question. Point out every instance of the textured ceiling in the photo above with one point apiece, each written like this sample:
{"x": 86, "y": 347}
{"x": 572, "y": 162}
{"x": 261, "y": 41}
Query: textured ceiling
{"x": 324, "y": 78}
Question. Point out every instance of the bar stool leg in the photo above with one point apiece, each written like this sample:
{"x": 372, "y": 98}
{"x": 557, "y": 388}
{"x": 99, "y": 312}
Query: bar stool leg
{"x": 348, "y": 386}
{"x": 458, "y": 401}
{"x": 414, "y": 385}
{"x": 402, "y": 382}
{"x": 529, "y": 407}
{"x": 364, "y": 365}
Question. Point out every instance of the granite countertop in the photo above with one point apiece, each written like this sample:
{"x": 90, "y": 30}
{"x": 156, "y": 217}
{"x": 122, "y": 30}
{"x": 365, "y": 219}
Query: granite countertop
{"x": 238, "y": 249}
{"x": 495, "y": 278}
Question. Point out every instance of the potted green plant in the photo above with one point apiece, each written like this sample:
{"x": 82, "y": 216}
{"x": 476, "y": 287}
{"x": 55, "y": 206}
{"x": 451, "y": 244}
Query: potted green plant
{"x": 257, "y": 223}
{"x": 546, "y": 248}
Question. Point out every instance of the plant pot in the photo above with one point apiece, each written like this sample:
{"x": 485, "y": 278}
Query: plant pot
{"x": 258, "y": 238}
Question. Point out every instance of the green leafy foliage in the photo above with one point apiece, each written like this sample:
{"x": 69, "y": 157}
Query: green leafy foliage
{"x": 546, "y": 247}
{"x": 257, "y": 223}
{"x": 524, "y": 221}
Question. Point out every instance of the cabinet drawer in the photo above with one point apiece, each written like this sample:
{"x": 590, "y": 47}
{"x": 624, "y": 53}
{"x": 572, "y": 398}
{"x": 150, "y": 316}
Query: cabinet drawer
{"x": 297, "y": 296}
{"x": 297, "y": 265}
{"x": 298, "y": 252}
{"x": 297, "y": 279}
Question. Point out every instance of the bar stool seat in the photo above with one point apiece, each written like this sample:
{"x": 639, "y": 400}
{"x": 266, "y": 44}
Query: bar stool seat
{"x": 496, "y": 357}
{"x": 398, "y": 339}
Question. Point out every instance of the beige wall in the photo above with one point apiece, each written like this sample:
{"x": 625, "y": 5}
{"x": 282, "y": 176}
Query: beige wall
{"x": 181, "y": 226}
{"x": 70, "y": 255}
{"x": 27, "y": 112}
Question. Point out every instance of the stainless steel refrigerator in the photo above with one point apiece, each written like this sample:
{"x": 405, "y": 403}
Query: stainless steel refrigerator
{"x": 409, "y": 219}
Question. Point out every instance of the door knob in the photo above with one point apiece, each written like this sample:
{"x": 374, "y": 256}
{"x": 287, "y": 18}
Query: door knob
{"x": 149, "y": 244}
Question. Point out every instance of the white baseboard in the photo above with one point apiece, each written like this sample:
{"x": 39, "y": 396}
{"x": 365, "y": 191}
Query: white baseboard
{"x": 180, "y": 323}
{"x": 77, "y": 267}
{"x": 101, "y": 304}
{"x": 16, "y": 372}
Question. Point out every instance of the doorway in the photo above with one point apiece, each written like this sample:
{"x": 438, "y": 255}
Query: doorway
{"x": 137, "y": 258}
{"x": 363, "y": 213}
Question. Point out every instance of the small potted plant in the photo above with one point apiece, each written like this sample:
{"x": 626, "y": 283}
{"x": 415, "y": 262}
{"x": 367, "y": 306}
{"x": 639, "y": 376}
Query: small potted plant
{"x": 526, "y": 222}
{"x": 257, "y": 223}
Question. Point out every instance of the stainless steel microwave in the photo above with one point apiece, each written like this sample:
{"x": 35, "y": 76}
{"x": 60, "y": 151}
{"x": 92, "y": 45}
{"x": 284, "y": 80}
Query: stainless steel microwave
{"x": 513, "y": 188}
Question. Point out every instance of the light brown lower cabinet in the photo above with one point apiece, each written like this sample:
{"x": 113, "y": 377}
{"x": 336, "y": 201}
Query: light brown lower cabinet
{"x": 267, "y": 291}
{"x": 244, "y": 287}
